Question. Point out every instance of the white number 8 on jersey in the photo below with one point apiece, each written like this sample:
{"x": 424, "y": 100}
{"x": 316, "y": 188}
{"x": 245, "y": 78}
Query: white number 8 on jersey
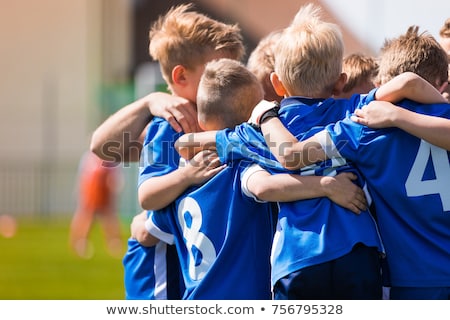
{"x": 201, "y": 250}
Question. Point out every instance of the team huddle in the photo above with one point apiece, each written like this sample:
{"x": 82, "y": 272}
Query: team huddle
{"x": 288, "y": 177}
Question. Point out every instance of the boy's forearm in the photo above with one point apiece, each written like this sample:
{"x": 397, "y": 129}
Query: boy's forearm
{"x": 286, "y": 187}
{"x": 291, "y": 153}
{"x": 158, "y": 192}
{"x": 290, "y": 187}
{"x": 278, "y": 139}
{"x": 119, "y": 138}
{"x": 190, "y": 144}
{"x": 410, "y": 86}
{"x": 434, "y": 130}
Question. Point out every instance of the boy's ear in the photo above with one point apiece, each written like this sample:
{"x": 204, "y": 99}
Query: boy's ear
{"x": 443, "y": 86}
{"x": 201, "y": 124}
{"x": 277, "y": 85}
{"x": 339, "y": 85}
{"x": 179, "y": 74}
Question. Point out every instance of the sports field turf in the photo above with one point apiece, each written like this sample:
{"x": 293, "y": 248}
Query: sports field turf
{"x": 37, "y": 264}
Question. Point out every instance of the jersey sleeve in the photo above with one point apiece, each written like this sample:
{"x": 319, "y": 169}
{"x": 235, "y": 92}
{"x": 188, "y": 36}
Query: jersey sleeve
{"x": 158, "y": 157}
{"x": 245, "y": 142}
{"x": 158, "y": 224}
{"x": 367, "y": 98}
{"x": 245, "y": 176}
{"x": 341, "y": 140}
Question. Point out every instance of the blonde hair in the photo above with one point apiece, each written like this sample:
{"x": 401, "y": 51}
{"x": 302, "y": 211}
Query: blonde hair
{"x": 414, "y": 52}
{"x": 183, "y": 37}
{"x": 445, "y": 29}
{"x": 262, "y": 62}
{"x": 310, "y": 53}
{"x": 227, "y": 93}
{"x": 360, "y": 68}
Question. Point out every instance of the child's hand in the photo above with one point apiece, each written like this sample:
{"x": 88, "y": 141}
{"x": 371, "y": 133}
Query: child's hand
{"x": 260, "y": 109}
{"x": 343, "y": 191}
{"x": 205, "y": 165}
{"x": 377, "y": 114}
{"x": 179, "y": 112}
{"x": 140, "y": 233}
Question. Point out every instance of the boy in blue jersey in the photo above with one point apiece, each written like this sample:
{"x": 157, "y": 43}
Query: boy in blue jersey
{"x": 322, "y": 251}
{"x": 407, "y": 176}
{"x": 151, "y": 273}
{"x": 222, "y": 233}
{"x": 182, "y": 41}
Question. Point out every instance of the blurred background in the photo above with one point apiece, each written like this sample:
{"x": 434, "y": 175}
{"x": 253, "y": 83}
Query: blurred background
{"x": 66, "y": 66}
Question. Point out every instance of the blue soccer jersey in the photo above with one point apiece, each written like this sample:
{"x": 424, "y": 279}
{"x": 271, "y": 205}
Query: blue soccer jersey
{"x": 223, "y": 238}
{"x": 159, "y": 156}
{"x": 316, "y": 230}
{"x": 152, "y": 273}
{"x": 409, "y": 181}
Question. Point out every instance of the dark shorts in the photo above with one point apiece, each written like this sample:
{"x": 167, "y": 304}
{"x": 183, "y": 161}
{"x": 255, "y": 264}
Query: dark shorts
{"x": 418, "y": 293}
{"x": 356, "y": 275}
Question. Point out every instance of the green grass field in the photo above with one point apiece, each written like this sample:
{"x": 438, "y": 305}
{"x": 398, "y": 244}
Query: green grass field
{"x": 37, "y": 264}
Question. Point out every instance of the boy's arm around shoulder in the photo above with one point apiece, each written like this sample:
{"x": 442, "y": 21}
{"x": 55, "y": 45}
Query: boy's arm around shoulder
{"x": 291, "y": 153}
{"x": 119, "y": 138}
{"x": 285, "y": 187}
{"x": 188, "y": 145}
{"x": 382, "y": 114}
{"x": 159, "y": 191}
{"x": 409, "y": 85}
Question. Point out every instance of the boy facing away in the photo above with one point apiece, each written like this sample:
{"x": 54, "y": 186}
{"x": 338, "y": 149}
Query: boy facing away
{"x": 320, "y": 248}
{"x": 407, "y": 176}
{"x": 222, "y": 232}
{"x": 182, "y": 41}
{"x": 361, "y": 71}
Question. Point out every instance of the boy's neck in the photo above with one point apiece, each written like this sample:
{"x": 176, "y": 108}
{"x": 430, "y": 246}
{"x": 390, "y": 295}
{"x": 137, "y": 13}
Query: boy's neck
{"x": 322, "y": 95}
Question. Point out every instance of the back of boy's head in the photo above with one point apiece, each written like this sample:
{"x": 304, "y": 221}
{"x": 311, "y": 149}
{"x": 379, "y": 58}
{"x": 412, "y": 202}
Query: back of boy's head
{"x": 360, "y": 69}
{"x": 227, "y": 94}
{"x": 413, "y": 52}
{"x": 183, "y": 37}
{"x": 262, "y": 63}
{"x": 309, "y": 55}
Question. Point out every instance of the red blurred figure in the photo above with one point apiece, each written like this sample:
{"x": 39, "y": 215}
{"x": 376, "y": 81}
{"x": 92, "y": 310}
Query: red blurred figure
{"x": 98, "y": 185}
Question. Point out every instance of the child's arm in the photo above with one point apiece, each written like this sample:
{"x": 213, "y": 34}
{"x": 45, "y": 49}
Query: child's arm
{"x": 291, "y": 187}
{"x": 140, "y": 233}
{"x": 119, "y": 138}
{"x": 286, "y": 148}
{"x": 409, "y": 85}
{"x": 158, "y": 192}
{"x": 380, "y": 114}
{"x": 188, "y": 145}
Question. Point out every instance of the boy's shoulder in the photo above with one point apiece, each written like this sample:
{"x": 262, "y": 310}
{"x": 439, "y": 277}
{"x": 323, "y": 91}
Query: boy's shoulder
{"x": 160, "y": 128}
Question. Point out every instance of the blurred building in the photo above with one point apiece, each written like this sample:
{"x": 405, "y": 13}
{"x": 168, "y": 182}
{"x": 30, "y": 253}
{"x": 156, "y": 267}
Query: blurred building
{"x": 66, "y": 65}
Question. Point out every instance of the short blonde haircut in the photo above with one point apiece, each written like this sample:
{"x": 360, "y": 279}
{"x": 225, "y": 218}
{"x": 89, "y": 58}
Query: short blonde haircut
{"x": 414, "y": 52}
{"x": 309, "y": 55}
{"x": 183, "y": 37}
{"x": 227, "y": 93}
{"x": 262, "y": 62}
{"x": 360, "y": 68}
